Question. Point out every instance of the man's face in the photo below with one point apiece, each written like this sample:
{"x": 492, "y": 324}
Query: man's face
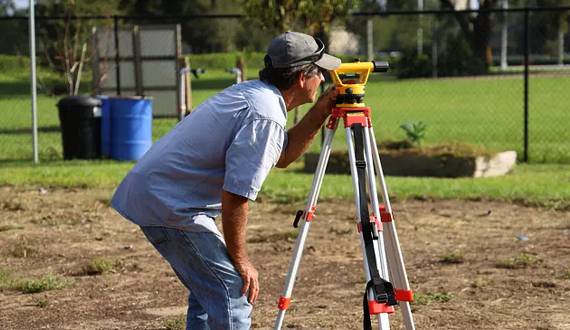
{"x": 312, "y": 82}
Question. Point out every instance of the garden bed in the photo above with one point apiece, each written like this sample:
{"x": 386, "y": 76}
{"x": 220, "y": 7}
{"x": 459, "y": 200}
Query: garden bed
{"x": 399, "y": 159}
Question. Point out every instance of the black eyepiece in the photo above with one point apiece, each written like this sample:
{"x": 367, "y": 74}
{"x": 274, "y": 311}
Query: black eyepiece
{"x": 380, "y": 66}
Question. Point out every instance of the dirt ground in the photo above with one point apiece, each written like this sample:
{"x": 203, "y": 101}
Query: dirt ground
{"x": 472, "y": 265}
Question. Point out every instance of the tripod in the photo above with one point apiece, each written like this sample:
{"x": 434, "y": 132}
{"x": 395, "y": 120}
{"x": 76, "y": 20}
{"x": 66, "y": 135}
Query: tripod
{"x": 379, "y": 241}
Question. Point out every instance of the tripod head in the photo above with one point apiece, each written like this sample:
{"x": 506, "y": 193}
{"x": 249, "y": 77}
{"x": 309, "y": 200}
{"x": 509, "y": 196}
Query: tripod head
{"x": 350, "y": 80}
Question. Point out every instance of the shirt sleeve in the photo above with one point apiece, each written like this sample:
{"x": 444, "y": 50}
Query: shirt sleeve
{"x": 255, "y": 149}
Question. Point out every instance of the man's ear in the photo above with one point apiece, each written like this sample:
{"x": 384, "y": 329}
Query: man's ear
{"x": 301, "y": 79}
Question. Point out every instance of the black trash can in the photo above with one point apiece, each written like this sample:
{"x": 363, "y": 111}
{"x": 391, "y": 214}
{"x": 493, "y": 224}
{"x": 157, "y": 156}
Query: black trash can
{"x": 80, "y": 118}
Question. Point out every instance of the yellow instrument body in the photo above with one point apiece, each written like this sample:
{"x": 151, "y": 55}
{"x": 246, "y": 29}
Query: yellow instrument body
{"x": 351, "y": 78}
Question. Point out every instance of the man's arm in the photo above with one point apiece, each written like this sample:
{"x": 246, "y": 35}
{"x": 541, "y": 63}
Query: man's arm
{"x": 301, "y": 135}
{"x": 234, "y": 220}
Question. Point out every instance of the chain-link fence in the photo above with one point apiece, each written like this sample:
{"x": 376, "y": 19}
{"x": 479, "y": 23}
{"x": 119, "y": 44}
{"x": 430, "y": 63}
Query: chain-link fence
{"x": 474, "y": 88}
{"x": 462, "y": 74}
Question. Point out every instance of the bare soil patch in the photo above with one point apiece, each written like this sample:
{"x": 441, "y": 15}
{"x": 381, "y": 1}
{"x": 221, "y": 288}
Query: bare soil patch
{"x": 484, "y": 265}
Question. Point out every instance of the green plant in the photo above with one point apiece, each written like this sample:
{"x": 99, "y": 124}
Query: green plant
{"x": 431, "y": 297}
{"x": 415, "y": 132}
{"x": 520, "y": 261}
{"x": 288, "y": 235}
{"x": 41, "y": 302}
{"x": 44, "y": 283}
{"x": 12, "y": 205}
{"x": 454, "y": 257}
{"x": 176, "y": 323}
{"x": 10, "y": 227}
{"x": 101, "y": 265}
{"x": 22, "y": 249}
{"x": 479, "y": 283}
{"x": 341, "y": 230}
{"x": 5, "y": 279}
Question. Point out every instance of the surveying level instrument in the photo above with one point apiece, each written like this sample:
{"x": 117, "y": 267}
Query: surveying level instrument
{"x": 386, "y": 280}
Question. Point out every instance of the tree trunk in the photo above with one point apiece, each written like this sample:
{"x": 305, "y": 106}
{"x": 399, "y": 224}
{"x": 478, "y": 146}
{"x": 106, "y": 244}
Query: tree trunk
{"x": 481, "y": 35}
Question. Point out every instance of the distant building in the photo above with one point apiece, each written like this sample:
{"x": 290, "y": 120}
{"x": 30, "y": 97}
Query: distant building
{"x": 465, "y": 4}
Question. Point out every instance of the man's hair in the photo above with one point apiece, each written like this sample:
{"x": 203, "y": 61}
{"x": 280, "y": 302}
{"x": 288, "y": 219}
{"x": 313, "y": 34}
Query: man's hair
{"x": 283, "y": 78}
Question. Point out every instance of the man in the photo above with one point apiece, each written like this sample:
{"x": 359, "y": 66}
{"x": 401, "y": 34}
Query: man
{"x": 212, "y": 163}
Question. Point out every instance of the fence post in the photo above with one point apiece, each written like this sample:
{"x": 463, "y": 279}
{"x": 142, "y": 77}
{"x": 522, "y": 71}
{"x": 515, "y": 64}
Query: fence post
{"x": 504, "y": 34}
{"x": 117, "y": 56}
{"x": 136, "y": 34}
{"x": 420, "y": 30}
{"x": 434, "y": 50}
{"x": 526, "y": 59}
{"x": 370, "y": 39}
{"x": 32, "y": 26}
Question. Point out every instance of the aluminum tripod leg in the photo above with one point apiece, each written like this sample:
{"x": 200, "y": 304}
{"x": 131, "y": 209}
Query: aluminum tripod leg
{"x": 304, "y": 230}
{"x": 394, "y": 253}
{"x": 387, "y": 256}
{"x": 379, "y": 251}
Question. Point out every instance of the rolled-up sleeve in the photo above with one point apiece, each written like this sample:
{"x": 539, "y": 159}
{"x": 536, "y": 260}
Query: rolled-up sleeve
{"x": 255, "y": 149}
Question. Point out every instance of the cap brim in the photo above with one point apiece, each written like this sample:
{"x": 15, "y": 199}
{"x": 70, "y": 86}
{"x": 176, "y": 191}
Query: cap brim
{"x": 328, "y": 62}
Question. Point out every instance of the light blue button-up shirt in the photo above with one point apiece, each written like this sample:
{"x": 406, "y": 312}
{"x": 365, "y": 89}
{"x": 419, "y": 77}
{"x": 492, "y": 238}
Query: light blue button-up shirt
{"x": 230, "y": 142}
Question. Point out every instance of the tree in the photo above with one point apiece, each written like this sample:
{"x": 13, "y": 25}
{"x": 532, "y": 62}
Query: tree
{"x": 64, "y": 42}
{"x": 7, "y": 7}
{"x": 476, "y": 28}
{"x": 313, "y": 17}
{"x": 201, "y": 35}
{"x": 12, "y": 31}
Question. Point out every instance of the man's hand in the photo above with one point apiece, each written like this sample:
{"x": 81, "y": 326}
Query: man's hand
{"x": 326, "y": 101}
{"x": 250, "y": 279}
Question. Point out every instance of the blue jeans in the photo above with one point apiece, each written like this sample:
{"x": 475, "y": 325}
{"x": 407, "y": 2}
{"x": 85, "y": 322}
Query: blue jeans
{"x": 201, "y": 262}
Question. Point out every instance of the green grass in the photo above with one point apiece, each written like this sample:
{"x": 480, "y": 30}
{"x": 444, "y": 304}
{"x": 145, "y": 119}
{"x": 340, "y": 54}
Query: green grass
{"x": 482, "y": 111}
{"x": 541, "y": 185}
{"x": 485, "y": 111}
{"x": 533, "y": 184}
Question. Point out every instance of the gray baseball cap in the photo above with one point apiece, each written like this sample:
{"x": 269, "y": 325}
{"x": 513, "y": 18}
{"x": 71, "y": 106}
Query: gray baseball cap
{"x": 292, "y": 49}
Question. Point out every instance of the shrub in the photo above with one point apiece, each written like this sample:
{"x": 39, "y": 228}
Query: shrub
{"x": 413, "y": 65}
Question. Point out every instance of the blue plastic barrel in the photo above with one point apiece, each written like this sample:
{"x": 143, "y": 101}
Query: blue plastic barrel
{"x": 105, "y": 125}
{"x": 131, "y": 128}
